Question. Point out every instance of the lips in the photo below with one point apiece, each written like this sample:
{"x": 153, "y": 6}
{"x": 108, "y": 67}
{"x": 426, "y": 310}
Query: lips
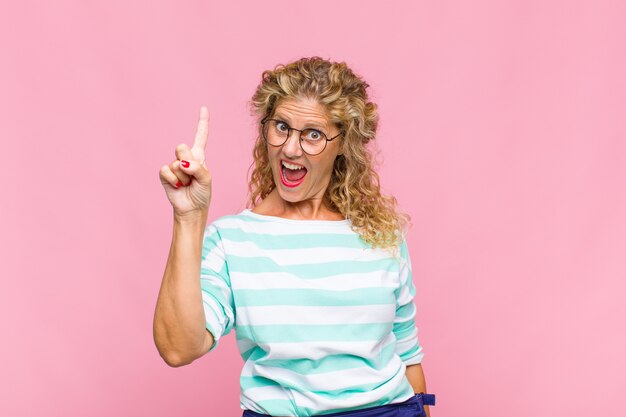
{"x": 289, "y": 177}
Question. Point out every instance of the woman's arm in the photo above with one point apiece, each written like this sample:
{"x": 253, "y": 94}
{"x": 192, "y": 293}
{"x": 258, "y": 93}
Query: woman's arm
{"x": 179, "y": 328}
{"x": 415, "y": 375}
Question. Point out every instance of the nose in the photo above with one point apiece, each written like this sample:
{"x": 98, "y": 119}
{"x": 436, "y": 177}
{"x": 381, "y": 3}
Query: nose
{"x": 292, "y": 148}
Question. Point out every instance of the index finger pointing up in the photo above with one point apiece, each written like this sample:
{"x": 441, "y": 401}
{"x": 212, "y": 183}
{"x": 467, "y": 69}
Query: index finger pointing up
{"x": 202, "y": 133}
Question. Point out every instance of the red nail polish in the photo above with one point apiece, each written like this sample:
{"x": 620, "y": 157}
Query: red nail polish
{"x": 184, "y": 163}
{"x": 178, "y": 184}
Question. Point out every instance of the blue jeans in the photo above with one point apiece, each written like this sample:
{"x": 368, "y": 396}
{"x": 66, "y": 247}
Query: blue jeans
{"x": 413, "y": 407}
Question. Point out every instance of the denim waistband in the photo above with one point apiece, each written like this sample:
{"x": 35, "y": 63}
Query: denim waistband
{"x": 423, "y": 399}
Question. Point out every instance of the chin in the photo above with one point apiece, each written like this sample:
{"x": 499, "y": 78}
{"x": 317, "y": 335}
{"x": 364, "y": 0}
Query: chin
{"x": 291, "y": 197}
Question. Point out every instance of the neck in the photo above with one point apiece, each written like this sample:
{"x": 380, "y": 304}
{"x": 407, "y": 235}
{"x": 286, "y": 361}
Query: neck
{"x": 310, "y": 209}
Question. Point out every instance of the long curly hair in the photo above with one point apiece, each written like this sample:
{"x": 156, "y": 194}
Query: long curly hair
{"x": 354, "y": 188}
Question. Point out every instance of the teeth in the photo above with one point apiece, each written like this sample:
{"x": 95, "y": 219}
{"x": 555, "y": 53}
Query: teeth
{"x": 292, "y": 166}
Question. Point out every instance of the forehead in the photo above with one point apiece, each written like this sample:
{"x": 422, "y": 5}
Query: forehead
{"x": 302, "y": 109}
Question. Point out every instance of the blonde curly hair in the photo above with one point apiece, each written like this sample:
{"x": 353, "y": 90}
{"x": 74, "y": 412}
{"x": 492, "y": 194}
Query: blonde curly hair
{"x": 354, "y": 188}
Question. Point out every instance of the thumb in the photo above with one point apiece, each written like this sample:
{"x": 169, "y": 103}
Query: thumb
{"x": 197, "y": 170}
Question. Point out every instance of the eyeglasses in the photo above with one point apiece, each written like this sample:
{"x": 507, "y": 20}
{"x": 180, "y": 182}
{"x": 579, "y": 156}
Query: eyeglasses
{"x": 312, "y": 141}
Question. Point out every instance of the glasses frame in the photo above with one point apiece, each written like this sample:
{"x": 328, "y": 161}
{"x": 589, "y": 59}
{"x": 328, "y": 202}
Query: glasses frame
{"x": 289, "y": 129}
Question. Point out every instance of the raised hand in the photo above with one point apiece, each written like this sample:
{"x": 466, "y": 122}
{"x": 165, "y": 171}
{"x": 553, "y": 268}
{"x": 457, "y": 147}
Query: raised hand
{"x": 186, "y": 180}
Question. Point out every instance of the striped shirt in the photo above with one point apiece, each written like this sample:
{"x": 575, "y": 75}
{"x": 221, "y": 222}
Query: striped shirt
{"x": 323, "y": 322}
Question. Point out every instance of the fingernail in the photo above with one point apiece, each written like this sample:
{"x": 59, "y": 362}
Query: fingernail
{"x": 184, "y": 163}
{"x": 178, "y": 184}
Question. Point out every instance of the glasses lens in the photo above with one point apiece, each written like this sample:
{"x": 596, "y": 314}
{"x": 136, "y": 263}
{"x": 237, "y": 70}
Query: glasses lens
{"x": 275, "y": 132}
{"x": 313, "y": 141}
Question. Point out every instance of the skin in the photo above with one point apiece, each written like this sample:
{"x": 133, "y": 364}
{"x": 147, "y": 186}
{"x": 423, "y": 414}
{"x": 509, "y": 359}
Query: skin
{"x": 179, "y": 329}
{"x": 415, "y": 375}
{"x": 304, "y": 202}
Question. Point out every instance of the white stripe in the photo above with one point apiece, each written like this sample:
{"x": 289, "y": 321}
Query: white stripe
{"x": 266, "y": 393}
{"x": 304, "y": 255}
{"x": 317, "y": 350}
{"x": 405, "y": 296}
{"x": 338, "y": 282}
{"x": 404, "y": 345}
{"x": 271, "y": 228}
{"x": 404, "y": 271}
{"x": 216, "y": 284}
{"x": 304, "y": 315}
{"x": 213, "y": 315}
{"x": 214, "y": 259}
{"x": 244, "y": 344}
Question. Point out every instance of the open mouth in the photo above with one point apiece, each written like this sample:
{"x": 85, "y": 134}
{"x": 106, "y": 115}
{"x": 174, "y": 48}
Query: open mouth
{"x": 292, "y": 175}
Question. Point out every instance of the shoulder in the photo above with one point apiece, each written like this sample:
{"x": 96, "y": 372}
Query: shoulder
{"x": 404, "y": 255}
{"x": 232, "y": 220}
{"x": 233, "y": 225}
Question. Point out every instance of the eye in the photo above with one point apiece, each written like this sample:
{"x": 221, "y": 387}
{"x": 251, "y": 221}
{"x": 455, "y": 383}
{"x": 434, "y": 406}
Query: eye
{"x": 281, "y": 126}
{"x": 312, "y": 135}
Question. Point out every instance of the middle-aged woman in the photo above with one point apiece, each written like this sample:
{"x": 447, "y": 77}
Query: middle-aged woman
{"x": 316, "y": 277}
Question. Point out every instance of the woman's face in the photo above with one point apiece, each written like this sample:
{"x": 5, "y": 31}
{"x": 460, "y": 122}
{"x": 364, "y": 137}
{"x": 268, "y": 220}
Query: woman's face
{"x": 301, "y": 114}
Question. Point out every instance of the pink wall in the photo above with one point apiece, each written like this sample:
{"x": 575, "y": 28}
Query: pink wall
{"x": 502, "y": 133}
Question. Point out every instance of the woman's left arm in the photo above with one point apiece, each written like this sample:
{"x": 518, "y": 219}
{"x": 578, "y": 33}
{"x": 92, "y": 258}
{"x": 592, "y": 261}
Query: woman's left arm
{"x": 415, "y": 375}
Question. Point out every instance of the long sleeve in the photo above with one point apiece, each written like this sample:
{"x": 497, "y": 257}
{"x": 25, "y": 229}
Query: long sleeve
{"x": 217, "y": 295}
{"x": 404, "y": 328}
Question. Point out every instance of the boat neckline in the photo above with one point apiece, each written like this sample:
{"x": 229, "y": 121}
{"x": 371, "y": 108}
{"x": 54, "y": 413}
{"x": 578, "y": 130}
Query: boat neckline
{"x": 284, "y": 220}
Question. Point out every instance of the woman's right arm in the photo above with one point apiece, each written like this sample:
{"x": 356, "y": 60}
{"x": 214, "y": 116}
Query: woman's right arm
{"x": 179, "y": 322}
{"x": 179, "y": 328}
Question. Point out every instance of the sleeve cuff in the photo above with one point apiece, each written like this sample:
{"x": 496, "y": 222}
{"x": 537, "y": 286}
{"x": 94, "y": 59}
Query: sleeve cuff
{"x": 212, "y": 321}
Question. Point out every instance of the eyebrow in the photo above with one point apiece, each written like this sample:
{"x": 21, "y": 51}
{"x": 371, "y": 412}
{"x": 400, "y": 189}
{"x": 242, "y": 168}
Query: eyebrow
{"x": 307, "y": 125}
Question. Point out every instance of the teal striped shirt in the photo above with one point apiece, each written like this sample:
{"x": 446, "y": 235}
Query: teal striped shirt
{"x": 324, "y": 323}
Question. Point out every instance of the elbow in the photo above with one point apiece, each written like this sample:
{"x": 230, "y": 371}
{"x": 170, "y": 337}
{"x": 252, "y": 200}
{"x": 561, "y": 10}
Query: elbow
{"x": 172, "y": 354}
{"x": 175, "y": 358}
{"x": 176, "y": 361}
{"x": 173, "y": 361}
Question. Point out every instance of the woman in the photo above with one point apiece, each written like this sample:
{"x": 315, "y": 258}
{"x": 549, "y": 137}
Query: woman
{"x": 316, "y": 277}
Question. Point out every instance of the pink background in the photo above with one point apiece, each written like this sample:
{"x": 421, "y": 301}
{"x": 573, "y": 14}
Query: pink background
{"x": 502, "y": 134}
